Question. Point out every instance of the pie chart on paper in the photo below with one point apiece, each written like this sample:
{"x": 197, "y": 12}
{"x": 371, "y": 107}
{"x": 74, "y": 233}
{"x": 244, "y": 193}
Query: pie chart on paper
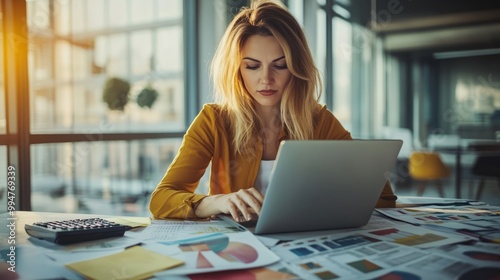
{"x": 220, "y": 245}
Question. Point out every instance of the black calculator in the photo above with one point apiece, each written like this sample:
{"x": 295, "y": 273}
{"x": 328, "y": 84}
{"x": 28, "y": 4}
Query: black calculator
{"x": 76, "y": 230}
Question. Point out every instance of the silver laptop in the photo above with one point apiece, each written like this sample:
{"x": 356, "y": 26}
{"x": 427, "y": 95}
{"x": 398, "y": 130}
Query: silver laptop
{"x": 325, "y": 184}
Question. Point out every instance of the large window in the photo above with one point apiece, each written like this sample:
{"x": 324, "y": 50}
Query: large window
{"x": 97, "y": 97}
{"x": 346, "y": 53}
{"x": 77, "y": 47}
{"x": 471, "y": 97}
{"x": 342, "y": 57}
{"x": 111, "y": 177}
{"x": 100, "y": 67}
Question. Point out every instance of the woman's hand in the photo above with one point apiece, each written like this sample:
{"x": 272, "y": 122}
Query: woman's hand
{"x": 240, "y": 204}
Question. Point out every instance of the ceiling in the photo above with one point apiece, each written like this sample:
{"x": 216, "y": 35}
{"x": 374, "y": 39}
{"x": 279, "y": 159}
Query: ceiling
{"x": 434, "y": 25}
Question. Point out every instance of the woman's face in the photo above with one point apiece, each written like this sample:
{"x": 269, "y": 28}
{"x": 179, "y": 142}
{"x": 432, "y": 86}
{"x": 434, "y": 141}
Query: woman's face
{"x": 264, "y": 70}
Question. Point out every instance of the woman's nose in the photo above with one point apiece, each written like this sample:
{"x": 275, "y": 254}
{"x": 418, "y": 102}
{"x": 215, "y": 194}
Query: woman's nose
{"x": 267, "y": 76}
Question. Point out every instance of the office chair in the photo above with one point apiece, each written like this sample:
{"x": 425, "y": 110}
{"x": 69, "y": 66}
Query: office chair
{"x": 486, "y": 167}
{"x": 425, "y": 166}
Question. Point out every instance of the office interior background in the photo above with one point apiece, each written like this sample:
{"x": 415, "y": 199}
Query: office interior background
{"x": 422, "y": 71}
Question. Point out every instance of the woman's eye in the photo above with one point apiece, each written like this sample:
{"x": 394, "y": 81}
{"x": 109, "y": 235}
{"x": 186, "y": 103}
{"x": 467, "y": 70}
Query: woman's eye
{"x": 252, "y": 67}
{"x": 281, "y": 67}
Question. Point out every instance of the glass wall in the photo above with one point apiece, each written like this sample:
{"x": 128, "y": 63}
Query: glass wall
{"x": 99, "y": 67}
{"x": 342, "y": 61}
{"x": 112, "y": 64}
{"x": 320, "y": 51}
{"x": 99, "y": 177}
{"x": 471, "y": 97}
{"x": 349, "y": 61}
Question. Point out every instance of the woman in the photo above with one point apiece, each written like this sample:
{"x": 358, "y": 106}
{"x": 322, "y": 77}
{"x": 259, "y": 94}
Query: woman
{"x": 266, "y": 85}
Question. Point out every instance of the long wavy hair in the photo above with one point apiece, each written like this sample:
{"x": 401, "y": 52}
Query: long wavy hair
{"x": 299, "y": 102}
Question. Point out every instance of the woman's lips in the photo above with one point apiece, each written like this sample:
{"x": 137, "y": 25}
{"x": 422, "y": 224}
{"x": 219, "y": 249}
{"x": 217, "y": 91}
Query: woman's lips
{"x": 267, "y": 92}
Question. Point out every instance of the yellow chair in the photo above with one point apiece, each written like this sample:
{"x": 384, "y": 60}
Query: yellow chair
{"x": 425, "y": 166}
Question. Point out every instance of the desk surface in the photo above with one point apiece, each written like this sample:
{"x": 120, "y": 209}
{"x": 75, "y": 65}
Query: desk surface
{"x": 455, "y": 255}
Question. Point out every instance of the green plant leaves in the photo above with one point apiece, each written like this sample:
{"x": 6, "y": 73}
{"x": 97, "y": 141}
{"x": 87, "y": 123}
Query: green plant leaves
{"x": 116, "y": 93}
{"x": 147, "y": 97}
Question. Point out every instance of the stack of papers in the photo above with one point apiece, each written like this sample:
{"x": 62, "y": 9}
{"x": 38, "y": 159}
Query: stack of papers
{"x": 416, "y": 243}
{"x": 172, "y": 247}
{"x": 405, "y": 252}
{"x": 482, "y": 221}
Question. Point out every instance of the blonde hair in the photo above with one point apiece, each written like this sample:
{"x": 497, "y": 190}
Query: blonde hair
{"x": 299, "y": 102}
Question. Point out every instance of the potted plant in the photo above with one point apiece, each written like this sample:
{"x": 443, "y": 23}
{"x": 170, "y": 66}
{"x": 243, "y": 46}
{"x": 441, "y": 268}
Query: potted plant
{"x": 116, "y": 93}
{"x": 147, "y": 97}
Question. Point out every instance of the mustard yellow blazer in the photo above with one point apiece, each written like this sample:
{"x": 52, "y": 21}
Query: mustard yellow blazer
{"x": 208, "y": 140}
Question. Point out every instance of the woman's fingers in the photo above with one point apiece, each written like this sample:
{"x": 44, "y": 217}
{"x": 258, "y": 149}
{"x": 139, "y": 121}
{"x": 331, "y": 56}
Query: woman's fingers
{"x": 255, "y": 201}
{"x": 233, "y": 210}
{"x": 252, "y": 199}
{"x": 243, "y": 203}
{"x": 258, "y": 195}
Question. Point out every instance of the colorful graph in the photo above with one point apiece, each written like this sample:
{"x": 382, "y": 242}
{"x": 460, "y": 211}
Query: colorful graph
{"x": 216, "y": 243}
{"x": 326, "y": 275}
{"x": 318, "y": 247}
{"x": 219, "y": 244}
{"x": 406, "y": 238}
{"x": 301, "y": 251}
{"x": 202, "y": 262}
{"x": 236, "y": 251}
{"x": 364, "y": 266}
{"x": 310, "y": 265}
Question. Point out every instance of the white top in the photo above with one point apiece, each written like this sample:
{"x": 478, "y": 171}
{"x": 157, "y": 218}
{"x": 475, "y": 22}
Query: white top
{"x": 262, "y": 180}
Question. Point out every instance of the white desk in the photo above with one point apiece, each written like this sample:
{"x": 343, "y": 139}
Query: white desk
{"x": 31, "y": 217}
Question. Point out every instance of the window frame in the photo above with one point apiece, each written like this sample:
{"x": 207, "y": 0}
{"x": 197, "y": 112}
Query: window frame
{"x": 19, "y": 138}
